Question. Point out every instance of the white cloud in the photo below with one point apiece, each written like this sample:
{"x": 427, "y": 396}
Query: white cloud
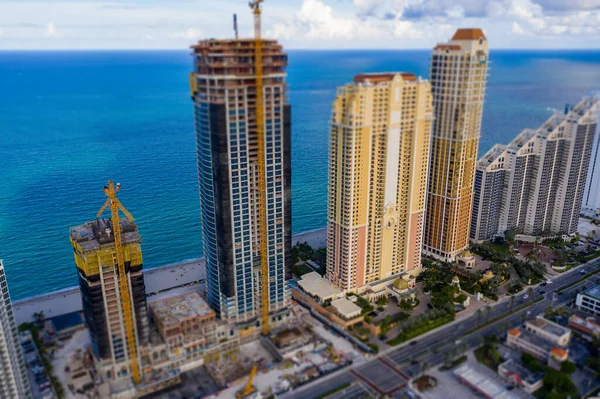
{"x": 51, "y": 30}
{"x": 189, "y": 33}
{"x": 297, "y": 23}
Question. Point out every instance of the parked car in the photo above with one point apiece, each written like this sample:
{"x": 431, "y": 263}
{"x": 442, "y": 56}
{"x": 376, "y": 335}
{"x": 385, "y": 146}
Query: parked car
{"x": 525, "y": 296}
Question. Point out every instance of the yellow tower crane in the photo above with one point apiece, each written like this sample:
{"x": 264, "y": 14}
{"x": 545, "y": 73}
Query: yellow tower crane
{"x": 260, "y": 134}
{"x": 111, "y": 191}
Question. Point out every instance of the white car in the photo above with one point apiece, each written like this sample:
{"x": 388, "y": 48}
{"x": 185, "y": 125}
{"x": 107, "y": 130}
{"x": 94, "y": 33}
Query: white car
{"x": 549, "y": 281}
{"x": 525, "y": 296}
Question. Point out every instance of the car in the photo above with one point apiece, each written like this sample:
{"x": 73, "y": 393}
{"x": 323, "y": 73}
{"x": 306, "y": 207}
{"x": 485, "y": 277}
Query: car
{"x": 543, "y": 284}
{"x": 525, "y": 296}
{"x": 549, "y": 281}
{"x": 413, "y": 343}
{"x": 560, "y": 293}
{"x": 582, "y": 272}
{"x": 542, "y": 292}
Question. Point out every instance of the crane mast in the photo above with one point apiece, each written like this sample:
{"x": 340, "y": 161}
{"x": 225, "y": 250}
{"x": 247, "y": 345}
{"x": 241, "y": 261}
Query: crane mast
{"x": 111, "y": 192}
{"x": 260, "y": 134}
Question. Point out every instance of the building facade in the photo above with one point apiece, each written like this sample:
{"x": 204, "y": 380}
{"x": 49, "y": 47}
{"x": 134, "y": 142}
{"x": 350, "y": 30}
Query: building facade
{"x": 589, "y": 300}
{"x": 94, "y": 252}
{"x": 591, "y": 197}
{"x": 458, "y": 81}
{"x": 223, "y": 87}
{"x": 14, "y": 378}
{"x": 536, "y": 184}
{"x": 378, "y": 163}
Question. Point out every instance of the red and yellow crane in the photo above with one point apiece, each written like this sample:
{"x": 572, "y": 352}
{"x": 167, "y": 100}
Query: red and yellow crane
{"x": 262, "y": 189}
{"x": 111, "y": 191}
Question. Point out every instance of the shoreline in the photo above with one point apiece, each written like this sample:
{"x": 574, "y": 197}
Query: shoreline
{"x": 161, "y": 278}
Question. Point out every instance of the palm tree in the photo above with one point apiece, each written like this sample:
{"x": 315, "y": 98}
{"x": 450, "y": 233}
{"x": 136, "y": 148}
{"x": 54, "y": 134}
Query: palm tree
{"x": 424, "y": 367}
{"x": 39, "y": 318}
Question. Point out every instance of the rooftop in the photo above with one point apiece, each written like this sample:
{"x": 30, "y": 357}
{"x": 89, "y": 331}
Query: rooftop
{"x": 98, "y": 233}
{"x": 549, "y": 326}
{"x": 481, "y": 383}
{"x": 522, "y": 139}
{"x": 535, "y": 340}
{"x": 346, "y": 308}
{"x": 588, "y": 324}
{"x": 493, "y": 154}
{"x": 172, "y": 311}
{"x": 518, "y": 371}
{"x": 383, "y": 77}
{"x": 468, "y": 34}
{"x": 594, "y": 292}
{"x": 315, "y": 285}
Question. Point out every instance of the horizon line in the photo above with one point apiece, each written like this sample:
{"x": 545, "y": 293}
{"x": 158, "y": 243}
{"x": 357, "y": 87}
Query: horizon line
{"x": 298, "y": 49}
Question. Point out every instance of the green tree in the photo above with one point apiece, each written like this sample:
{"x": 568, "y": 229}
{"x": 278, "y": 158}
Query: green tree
{"x": 510, "y": 235}
{"x": 568, "y": 367}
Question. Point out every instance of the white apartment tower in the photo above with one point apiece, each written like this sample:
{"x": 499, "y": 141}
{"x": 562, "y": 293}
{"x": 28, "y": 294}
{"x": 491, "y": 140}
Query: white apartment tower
{"x": 591, "y": 196}
{"x": 536, "y": 184}
{"x": 14, "y": 380}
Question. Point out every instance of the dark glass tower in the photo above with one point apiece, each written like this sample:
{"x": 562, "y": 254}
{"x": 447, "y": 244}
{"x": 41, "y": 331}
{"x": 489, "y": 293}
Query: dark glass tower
{"x": 224, "y": 94}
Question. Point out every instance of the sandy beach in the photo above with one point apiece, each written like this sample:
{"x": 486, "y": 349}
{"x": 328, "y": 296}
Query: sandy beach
{"x": 157, "y": 280}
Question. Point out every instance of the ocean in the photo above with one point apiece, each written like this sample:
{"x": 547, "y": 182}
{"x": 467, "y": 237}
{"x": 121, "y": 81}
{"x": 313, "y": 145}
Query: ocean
{"x": 69, "y": 121}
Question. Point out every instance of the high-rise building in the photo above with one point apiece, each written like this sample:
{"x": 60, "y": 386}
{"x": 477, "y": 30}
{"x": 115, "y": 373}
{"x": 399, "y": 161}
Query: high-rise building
{"x": 378, "y": 163}
{"x": 536, "y": 184}
{"x": 223, "y": 86}
{"x": 94, "y": 251}
{"x": 591, "y": 196}
{"x": 14, "y": 379}
{"x": 458, "y": 80}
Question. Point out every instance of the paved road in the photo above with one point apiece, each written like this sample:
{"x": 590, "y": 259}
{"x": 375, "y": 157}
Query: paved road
{"x": 432, "y": 348}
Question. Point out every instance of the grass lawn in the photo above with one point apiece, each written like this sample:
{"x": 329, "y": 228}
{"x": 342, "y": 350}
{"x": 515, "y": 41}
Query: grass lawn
{"x": 502, "y": 248}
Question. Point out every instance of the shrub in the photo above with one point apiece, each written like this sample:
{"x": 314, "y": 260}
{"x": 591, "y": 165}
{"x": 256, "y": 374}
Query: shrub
{"x": 568, "y": 367}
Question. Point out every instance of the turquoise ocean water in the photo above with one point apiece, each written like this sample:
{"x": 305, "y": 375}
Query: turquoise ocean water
{"x": 69, "y": 121}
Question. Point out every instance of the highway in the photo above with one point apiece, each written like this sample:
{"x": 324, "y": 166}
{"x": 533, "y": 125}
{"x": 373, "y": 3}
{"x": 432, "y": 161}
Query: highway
{"x": 407, "y": 358}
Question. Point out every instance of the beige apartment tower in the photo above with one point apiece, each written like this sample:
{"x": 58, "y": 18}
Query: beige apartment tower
{"x": 458, "y": 79}
{"x": 378, "y": 162}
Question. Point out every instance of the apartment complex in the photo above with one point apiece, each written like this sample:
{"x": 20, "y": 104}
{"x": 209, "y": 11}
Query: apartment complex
{"x": 378, "y": 163}
{"x": 591, "y": 197}
{"x": 94, "y": 251}
{"x": 536, "y": 183}
{"x": 14, "y": 378}
{"x": 458, "y": 81}
{"x": 223, "y": 87}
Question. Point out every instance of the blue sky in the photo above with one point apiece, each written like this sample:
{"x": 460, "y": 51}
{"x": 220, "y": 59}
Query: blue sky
{"x": 312, "y": 24}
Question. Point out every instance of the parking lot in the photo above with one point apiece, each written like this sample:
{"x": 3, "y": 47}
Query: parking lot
{"x": 38, "y": 380}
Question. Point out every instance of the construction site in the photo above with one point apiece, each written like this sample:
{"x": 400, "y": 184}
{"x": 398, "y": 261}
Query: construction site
{"x": 240, "y": 327}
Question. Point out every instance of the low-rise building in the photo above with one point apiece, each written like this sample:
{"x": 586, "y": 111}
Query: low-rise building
{"x": 319, "y": 288}
{"x": 186, "y": 324}
{"x": 549, "y": 330}
{"x": 586, "y": 327}
{"x": 346, "y": 308}
{"x": 482, "y": 384}
{"x": 518, "y": 375}
{"x": 589, "y": 300}
{"x": 537, "y": 346}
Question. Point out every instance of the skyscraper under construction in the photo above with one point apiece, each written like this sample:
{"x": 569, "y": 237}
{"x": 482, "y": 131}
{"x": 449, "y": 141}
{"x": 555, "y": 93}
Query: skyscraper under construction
{"x": 458, "y": 80}
{"x": 224, "y": 92}
{"x": 96, "y": 259}
{"x": 378, "y": 164}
